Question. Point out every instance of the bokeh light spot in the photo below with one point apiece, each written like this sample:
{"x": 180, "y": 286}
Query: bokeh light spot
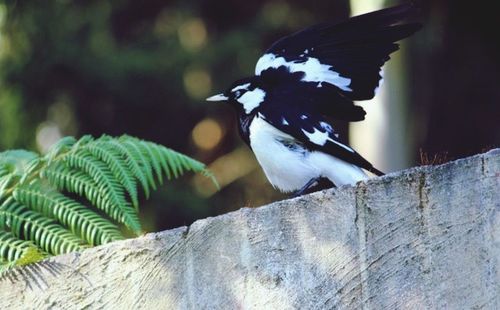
{"x": 193, "y": 34}
{"x": 47, "y": 134}
{"x": 227, "y": 169}
{"x": 61, "y": 113}
{"x": 275, "y": 13}
{"x": 207, "y": 134}
{"x": 198, "y": 83}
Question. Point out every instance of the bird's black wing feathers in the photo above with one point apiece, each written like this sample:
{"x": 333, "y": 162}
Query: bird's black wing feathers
{"x": 288, "y": 93}
{"x": 354, "y": 49}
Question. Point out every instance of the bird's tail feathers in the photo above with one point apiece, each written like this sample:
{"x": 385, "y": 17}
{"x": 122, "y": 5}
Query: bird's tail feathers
{"x": 375, "y": 171}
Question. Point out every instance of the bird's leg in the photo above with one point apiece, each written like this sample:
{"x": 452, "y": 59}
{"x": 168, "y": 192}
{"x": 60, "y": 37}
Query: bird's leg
{"x": 304, "y": 188}
{"x": 314, "y": 185}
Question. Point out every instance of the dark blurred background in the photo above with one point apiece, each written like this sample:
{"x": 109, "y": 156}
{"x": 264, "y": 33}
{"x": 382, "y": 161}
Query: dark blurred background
{"x": 145, "y": 67}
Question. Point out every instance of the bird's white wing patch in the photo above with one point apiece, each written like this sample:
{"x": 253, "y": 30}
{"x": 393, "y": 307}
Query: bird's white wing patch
{"x": 268, "y": 61}
{"x": 252, "y": 99}
{"x": 317, "y": 136}
{"x": 314, "y": 70}
{"x": 320, "y": 137}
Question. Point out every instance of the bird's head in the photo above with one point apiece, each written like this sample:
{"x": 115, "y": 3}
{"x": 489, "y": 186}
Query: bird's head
{"x": 244, "y": 95}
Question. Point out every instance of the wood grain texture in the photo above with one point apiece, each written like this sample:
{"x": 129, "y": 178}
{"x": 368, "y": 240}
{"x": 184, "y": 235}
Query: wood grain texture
{"x": 425, "y": 238}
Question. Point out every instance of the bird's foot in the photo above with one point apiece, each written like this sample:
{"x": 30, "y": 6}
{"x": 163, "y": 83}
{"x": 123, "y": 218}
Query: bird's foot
{"x": 314, "y": 185}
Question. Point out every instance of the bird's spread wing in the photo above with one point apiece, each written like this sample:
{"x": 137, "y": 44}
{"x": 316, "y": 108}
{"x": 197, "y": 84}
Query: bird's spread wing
{"x": 288, "y": 93}
{"x": 315, "y": 133}
{"x": 347, "y": 55}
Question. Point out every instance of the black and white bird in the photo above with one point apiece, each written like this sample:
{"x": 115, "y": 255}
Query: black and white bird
{"x": 302, "y": 84}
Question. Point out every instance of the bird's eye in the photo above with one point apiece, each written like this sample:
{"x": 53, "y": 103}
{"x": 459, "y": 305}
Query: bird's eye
{"x": 238, "y": 93}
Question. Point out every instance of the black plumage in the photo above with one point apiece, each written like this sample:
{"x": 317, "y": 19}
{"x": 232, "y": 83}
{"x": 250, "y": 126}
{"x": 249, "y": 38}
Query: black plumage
{"x": 306, "y": 81}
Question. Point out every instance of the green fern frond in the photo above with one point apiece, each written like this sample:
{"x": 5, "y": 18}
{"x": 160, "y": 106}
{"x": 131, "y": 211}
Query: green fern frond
{"x": 59, "y": 147}
{"x": 80, "y": 220}
{"x": 175, "y": 163}
{"x": 16, "y": 252}
{"x": 37, "y": 218}
{"x": 79, "y": 182}
{"x": 167, "y": 161}
{"x": 152, "y": 157}
{"x": 139, "y": 158}
{"x": 118, "y": 166}
{"x": 6, "y": 183}
{"x": 132, "y": 164}
{"x": 114, "y": 202}
{"x": 4, "y": 171}
{"x": 46, "y": 233}
{"x": 30, "y": 168}
{"x": 13, "y": 249}
{"x": 76, "y": 182}
{"x": 15, "y": 161}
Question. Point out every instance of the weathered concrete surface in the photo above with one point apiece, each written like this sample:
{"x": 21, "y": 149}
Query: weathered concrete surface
{"x": 421, "y": 239}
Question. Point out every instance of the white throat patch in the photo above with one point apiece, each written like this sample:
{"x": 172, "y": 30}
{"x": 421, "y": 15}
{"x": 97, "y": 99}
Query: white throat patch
{"x": 252, "y": 99}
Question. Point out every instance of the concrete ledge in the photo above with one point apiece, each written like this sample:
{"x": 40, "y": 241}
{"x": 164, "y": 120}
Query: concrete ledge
{"x": 424, "y": 238}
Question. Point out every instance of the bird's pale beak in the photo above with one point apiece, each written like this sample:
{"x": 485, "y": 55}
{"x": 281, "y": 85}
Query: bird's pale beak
{"x": 218, "y": 97}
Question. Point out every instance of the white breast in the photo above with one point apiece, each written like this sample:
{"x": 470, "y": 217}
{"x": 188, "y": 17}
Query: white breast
{"x": 286, "y": 170}
{"x": 290, "y": 169}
